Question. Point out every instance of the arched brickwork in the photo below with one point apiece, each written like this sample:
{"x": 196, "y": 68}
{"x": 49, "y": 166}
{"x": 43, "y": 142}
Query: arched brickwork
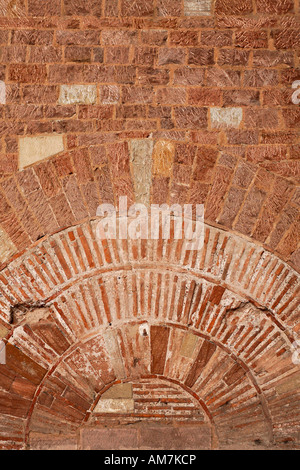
{"x": 203, "y": 321}
{"x": 181, "y": 101}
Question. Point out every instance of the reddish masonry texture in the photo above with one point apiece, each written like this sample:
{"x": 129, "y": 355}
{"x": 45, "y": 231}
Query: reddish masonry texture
{"x": 204, "y": 98}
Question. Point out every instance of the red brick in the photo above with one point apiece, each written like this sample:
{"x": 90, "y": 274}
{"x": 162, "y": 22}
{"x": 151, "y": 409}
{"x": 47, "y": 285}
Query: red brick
{"x": 205, "y": 96}
{"x": 233, "y": 57}
{"x": 32, "y": 37}
{"x": 223, "y": 78}
{"x": 171, "y": 96}
{"x": 261, "y": 118}
{"x": 83, "y": 7}
{"x": 77, "y": 54}
{"x": 117, "y": 55}
{"x": 250, "y": 211}
{"x": 206, "y": 159}
{"x": 190, "y": 117}
{"x": 291, "y": 117}
{"x": 205, "y": 354}
{"x": 37, "y": 8}
{"x": 241, "y": 97}
{"x": 252, "y": 39}
{"x": 274, "y": 6}
{"x": 200, "y": 56}
{"x": 159, "y": 345}
{"x": 27, "y": 73}
{"x": 233, "y": 7}
{"x": 78, "y": 38}
{"x": 129, "y": 8}
{"x": 155, "y": 37}
{"x": 260, "y": 78}
{"x": 184, "y": 38}
{"x": 187, "y": 76}
{"x": 287, "y": 39}
{"x": 167, "y": 56}
{"x": 169, "y": 7}
{"x": 152, "y": 76}
{"x": 216, "y": 38}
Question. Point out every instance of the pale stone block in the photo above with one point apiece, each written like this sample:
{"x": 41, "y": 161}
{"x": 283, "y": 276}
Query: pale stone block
{"x": 35, "y": 149}
{"x": 115, "y": 405}
{"x": 7, "y": 247}
{"x": 197, "y": 7}
{"x": 141, "y": 166}
{"x": 163, "y": 157}
{"x": 188, "y": 345}
{"x": 2, "y": 92}
{"x": 78, "y": 94}
{"x": 226, "y": 117}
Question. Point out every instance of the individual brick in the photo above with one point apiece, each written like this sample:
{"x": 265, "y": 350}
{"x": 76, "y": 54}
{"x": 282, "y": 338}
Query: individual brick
{"x": 169, "y": 7}
{"x": 77, "y": 54}
{"x": 190, "y": 117}
{"x": 274, "y": 6}
{"x": 27, "y": 73}
{"x": 37, "y": 8}
{"x": 197, "y": 7}
{"x": 226, "y": 117}
{"x": 163, "y": 157}
{"x": 171, "y": 96}
{"x": 205, "y": 96}
{"x": 251, "y": 39}
{"x": 34, "y": 149}
{"x": 216, "y": 38}
{"x": 77, "y": 94}
{"x": 130, "y": 8}
{"x": 261, "y": 118}
{"x": 82, "y": 7}
{"x": 7, "y": 247}
{"x": 200, "y": 56}
{"x": 109, "y": 94}
{"x": 167, "y": 56}
{"x": 234, "y": 7}
{"x": 141, "y": 167}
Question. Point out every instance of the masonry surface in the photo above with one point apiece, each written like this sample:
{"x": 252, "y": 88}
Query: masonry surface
{"x": 164, "y": 101}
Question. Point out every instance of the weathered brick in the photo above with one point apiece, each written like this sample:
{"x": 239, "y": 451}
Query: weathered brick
{"x": 34, "y": 149}
{"x": 78, "y": 94}
{"x": 197, "y": 7}
{"x": 234, "y": 7}
{"x": 190, "y": 117}
{"x": 226, "y": 117}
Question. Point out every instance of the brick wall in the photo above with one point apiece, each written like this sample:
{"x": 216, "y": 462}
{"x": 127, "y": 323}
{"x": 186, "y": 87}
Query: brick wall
{"x": 203, "y": 87}
{"x": 164, "y": 101}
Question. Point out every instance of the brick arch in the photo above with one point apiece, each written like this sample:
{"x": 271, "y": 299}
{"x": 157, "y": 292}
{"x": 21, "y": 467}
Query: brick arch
{"x": 71, "y": 284}
{"x": 63, "y": 383}
{"x": 74, "y": 255}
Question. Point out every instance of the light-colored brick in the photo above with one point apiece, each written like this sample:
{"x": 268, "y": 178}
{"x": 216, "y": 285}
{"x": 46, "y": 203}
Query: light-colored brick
{"x": 7, "y": 247}
{"x": 163, "y": 157}
{"x": 78, "y": 94}
{"x": 2, "y": 92}
{"x": 117, "y": 399}
{"x": 35, "y": 149}
{"x": 226, "y": 117}
{"x": 197, "y": 7}
{"x": 188, "y": 345}
{"x": 141, "y": 168}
